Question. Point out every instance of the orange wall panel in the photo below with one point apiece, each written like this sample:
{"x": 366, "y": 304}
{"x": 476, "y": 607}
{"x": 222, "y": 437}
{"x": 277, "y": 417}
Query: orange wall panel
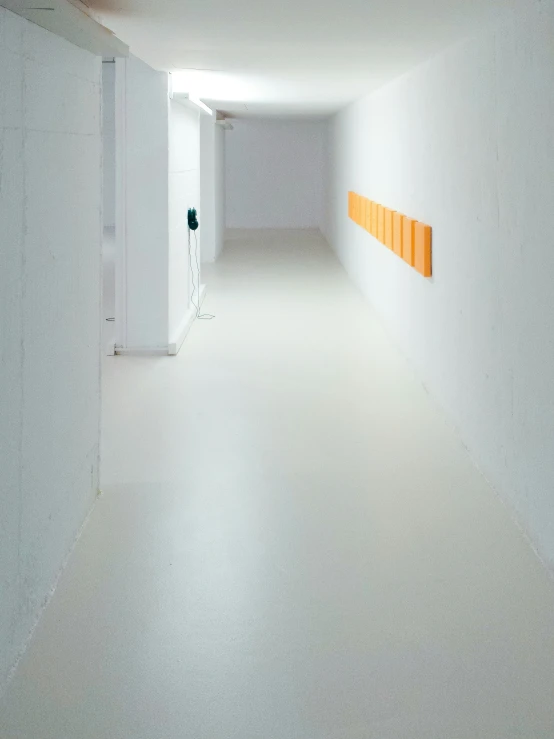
{"x": 407, "y": 237}
{"x": 408, "y": 225}
{"x": 389, "y": 218}
{"x": 397, "y": 234}
{"x": 422, "y": 256}
{"x": 381, "y": 223}
{"x": 361, "y": 215}
{"x": 374, "y": 219}
{"x": 368, "y": 209}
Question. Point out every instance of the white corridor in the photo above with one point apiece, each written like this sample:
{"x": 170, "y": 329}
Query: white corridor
{"x": 291, "y": 542}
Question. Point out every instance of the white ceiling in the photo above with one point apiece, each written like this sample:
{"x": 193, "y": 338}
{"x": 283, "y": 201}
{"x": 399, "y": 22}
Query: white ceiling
{"x": 292, "y": 57}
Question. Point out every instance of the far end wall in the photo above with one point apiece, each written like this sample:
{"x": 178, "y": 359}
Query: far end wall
{"x": 274, "y": 174}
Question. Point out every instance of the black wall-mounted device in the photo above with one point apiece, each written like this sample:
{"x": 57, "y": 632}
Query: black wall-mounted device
{"x": 192, "y": 219}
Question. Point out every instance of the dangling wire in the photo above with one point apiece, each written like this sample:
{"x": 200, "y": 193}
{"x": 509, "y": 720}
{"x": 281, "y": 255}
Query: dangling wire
{"x": 201, "y": 316}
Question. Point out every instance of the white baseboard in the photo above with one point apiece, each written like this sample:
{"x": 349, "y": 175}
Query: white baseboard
{"x": 184, "y": 328}
{"x": 181, "y": 333}
{"x": 177, "y": 340}
{"x": 141, "y": 351}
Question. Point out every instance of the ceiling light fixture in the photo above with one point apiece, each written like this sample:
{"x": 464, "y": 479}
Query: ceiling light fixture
{"x": 176, "y": 92}
{"x": 196, "y": 101}
{"x": 210, "y": 85}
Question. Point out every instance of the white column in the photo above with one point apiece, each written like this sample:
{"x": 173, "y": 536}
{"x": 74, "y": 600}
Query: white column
{"x": 142, "y": 228}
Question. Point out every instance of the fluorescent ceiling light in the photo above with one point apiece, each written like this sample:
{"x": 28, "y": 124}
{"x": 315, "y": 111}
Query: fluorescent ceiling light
{"x": 200, "y": 104}
{"x": 200, "y": 83}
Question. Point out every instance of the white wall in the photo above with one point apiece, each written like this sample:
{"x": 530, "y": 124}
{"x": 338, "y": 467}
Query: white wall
{"x": 465, "y": 144}
{"x": 161, "y": 182}
{"x": 207, "y": 187}
{"x": 146, "y": 197}
{"x": 212, "y": 188}
{"x": 184, "y": 193}
{"x": 219, "y": 189}
{"x": 108, "y": 139}
{"x": 50, "y": 242}
{"x": 274, "y": 173}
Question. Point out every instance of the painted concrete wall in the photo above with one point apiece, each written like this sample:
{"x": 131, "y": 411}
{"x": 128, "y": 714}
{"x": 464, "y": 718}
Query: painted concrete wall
{"x": 50, "y": 245}
{"x": 162, "y": 181}
{"x": 108, "y": 139}
{"x": 212, "y": 188}
{"x": 274, "y": 172}
{"x": 207, "y": 187}
{"x": 146, "y": 186}
{"x": 184, "y": 193}
{"x": 219, "y": 189}
{"x": 465, "y": 144}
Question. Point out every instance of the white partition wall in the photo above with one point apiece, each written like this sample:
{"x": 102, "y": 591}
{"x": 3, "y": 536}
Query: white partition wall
{"x": 50, "y": 257}
{"x": 207, "y": 187}
{"x": 212, "y": 187}
{"x": 219, "y": 188}
{"x": 142, "y": 228}
{"x": 108, "y": 141}
{"x": 184, "y": 193}
{"x": 157, "y": 181}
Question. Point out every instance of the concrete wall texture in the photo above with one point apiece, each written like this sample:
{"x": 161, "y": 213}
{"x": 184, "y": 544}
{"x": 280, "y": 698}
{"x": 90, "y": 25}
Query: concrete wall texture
{"x": 274, "y": 174}
{"x": 465, "y": 144}
{"x": 50, "y": 246}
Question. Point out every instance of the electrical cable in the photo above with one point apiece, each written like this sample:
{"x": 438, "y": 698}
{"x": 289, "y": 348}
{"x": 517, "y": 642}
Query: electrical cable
{"x": 196, "y": 306}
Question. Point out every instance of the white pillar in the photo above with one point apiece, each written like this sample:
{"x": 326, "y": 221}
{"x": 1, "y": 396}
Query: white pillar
{"x": 141, "y": 207}
{"x": 212, "y": 191}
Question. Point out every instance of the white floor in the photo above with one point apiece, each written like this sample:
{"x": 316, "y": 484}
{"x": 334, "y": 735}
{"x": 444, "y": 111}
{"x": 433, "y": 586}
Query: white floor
{"x": 291, "y": 543}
